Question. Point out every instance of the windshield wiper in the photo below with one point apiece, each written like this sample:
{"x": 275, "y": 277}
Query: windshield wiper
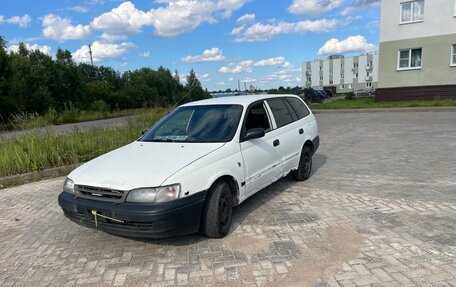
{"x": 161, "y": 140}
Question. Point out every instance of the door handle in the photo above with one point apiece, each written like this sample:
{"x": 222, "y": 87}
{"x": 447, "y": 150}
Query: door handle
{"x": 276, "y": 143}
{"x": 301, "y": 131}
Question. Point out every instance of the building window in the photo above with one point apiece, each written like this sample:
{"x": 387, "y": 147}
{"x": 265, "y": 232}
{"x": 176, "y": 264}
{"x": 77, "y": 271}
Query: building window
{"x": 453, "y": 55}
{"x": 342, "y": 75}
{"x": 368, "y": 85}
{"x": 356, "y": 75}
{"x": 410, "y": 59}
{"x": 350, "y": 86}
{"x": 341, "y": 66}
{"x": 412, "y": 11}
{"x": 331, "y": 82}
{"x": 342, "y": 87}
{"x": 321, "y": 78}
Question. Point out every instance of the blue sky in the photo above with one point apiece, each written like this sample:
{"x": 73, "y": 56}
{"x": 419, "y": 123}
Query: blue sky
{"x": 261, "y": 42}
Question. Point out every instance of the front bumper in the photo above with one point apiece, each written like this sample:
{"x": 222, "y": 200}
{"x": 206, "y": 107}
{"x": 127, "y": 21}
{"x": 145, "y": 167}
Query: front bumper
{"x": 159, "y": 220}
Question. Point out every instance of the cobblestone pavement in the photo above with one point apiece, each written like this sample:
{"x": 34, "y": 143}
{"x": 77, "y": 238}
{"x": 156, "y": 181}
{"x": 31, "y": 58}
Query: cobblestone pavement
{"x": 379, "y": 210}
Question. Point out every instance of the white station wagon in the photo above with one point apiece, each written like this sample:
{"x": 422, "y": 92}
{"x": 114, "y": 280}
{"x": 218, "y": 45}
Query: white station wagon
{"x": 189, "y": 170}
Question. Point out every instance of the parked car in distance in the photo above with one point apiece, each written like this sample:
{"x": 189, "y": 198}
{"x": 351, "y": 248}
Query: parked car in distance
{"x": 364, "y": 92}
{"x": 189, "y": 170}
{"x": 329, "y": 92}
{"x": 311, "y": 96}
{"x": 323, "y": 94}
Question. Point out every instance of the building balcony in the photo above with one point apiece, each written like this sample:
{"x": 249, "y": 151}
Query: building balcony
{"x": 369, "y": 67}
{"x": 308, "y": 73}
{"x": 308, "y": 83}
{"x": 368, "y": 78}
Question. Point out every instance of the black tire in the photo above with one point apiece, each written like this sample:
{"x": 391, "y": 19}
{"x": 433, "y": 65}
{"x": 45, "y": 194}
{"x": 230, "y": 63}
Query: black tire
{"x": 305, "y": 165}
{"x": 218, "y": 211}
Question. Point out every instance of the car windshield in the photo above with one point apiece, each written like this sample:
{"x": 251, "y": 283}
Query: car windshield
{"x": 209, "y": 123}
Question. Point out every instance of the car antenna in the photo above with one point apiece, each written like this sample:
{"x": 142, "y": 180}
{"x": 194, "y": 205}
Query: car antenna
{"x": 188, "y": 93}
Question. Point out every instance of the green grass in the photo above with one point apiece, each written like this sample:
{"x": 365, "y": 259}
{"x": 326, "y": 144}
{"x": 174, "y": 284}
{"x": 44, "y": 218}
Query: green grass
{"x": 369, "y": 103}
{"x": 26, "y": 121}
{"x": 38, "y": 151}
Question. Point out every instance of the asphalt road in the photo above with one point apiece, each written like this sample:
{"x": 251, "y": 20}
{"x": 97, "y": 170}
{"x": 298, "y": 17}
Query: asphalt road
{"x": 379, "y": 210}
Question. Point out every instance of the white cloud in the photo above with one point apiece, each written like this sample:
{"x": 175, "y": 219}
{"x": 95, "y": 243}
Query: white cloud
{"x": 60, "y": 29}
{"x": 210, "y": 55}
{"x": 145, "y": 54}
{"x": 246, "y": 19}
{"x": 42, "y": 48}
{"x": 351, "y": 44}
{"x": 271, "y": 62}
{"x": 237, "y": 30}
{"x": 102, "y": 51}
{"x": 264, "y": 32}
{"x": 174, "y": 18}
{"x": 21, "y": 21}
{"x": 232, "y": 68}
{"x": 360, "y": 4}
{"x": 311, "y": 7}
{"x": 125, "y": 19}
{"x": 109, "y": 38}
{"x": 2, "y": 18}
{"x": 80, "y": 9}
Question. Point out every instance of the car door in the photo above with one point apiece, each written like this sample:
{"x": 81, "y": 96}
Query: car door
{"x": 289, "y": 133}
{"x": 260, "y": 155}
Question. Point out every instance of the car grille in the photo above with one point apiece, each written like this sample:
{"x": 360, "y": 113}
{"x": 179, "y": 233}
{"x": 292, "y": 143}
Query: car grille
{"x": 102, "y": 194}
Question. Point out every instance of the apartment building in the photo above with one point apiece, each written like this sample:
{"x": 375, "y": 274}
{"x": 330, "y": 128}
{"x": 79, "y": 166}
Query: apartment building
{"x": 417, "y": 50}
{"x": 345, "y": 74}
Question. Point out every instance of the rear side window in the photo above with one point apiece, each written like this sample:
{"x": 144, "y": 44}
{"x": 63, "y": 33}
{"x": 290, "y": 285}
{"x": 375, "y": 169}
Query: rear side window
{"x": 280, "y": 111}
{"x": 298, "y": 106}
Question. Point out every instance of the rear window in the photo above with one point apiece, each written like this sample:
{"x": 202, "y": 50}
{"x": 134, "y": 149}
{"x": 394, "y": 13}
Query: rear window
{"x": 280, "y": 111}
{"x": 299, "y": 107}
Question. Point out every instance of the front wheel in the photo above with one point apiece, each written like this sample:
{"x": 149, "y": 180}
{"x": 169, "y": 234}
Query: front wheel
{"x": 305, "y": 165}
{"x": 218, "y": 211}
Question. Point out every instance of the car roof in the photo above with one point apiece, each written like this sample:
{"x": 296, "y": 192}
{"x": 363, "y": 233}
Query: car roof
{"x": 236, "y": 100}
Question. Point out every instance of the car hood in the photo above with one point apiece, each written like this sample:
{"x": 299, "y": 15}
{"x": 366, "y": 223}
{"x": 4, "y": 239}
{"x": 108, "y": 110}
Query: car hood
{"x": 140, "y": 164}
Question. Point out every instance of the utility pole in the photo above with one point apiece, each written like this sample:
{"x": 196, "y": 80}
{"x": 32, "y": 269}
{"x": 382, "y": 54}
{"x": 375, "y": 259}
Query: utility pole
{"x": 90, "y": 52}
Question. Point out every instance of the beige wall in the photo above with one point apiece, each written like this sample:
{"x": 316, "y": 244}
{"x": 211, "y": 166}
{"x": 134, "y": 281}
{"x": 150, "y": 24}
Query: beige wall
{"x": 435, "y": 68}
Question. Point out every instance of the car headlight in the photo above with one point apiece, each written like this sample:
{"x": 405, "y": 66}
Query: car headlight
{"x": 68, "y": 186}
{"x": 151, "y": 195}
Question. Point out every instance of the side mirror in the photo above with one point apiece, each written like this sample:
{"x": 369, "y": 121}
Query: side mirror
{"x": 254, "y": 134}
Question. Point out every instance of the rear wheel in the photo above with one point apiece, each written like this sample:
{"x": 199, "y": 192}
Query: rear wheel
{"x": 218, "y": 211}
{"x": 305, "y": 165}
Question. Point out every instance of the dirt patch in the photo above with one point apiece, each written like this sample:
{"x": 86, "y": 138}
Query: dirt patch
{"x": 248, "y": 244}
{"x": 10, "y": 234}
{"x": 322, "y": 258}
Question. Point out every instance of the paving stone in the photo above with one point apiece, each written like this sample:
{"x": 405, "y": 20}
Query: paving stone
{"x": 368, "y": 177}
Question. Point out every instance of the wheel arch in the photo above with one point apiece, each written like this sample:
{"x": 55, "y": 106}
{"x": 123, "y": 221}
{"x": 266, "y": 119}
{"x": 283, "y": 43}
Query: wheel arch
{"x": 310, "y": 145}
{"x": 234, "y": 186}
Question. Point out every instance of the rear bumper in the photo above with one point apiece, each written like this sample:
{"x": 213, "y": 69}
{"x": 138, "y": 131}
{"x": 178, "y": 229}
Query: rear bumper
{"x": 161, "y": 220}
{"x": 316, "y": 144}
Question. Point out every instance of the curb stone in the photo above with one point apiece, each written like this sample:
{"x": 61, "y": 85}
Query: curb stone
{"x": 20, "y": 179}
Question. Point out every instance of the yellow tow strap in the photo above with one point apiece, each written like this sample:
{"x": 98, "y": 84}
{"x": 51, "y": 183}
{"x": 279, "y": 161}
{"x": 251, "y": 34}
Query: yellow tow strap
{"x": 96, "y": 214}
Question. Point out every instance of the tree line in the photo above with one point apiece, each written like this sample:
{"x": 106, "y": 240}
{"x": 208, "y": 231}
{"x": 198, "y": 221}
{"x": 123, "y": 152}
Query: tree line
{"x": 31, "y": 81}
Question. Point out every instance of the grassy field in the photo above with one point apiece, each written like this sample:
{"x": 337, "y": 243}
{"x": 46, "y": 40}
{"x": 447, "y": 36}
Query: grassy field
{"x": 25, "y": 121}
{"x": 369, "y": 103}
{"x": 39, "y": 151}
